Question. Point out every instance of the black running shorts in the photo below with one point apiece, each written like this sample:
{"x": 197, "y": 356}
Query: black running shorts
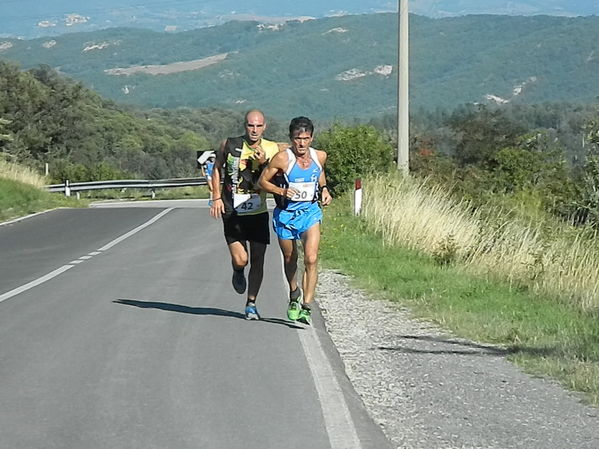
{"x": 252, "y": 228}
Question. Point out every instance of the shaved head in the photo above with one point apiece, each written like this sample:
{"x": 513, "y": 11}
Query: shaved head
{"x": 254, "y": 125}
{"x": 254, "y": 114}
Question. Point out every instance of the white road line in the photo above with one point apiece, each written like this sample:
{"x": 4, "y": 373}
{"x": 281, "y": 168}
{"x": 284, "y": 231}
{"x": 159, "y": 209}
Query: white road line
{"x": 64, "y": 268}
{"x": 16, "y": 220}
{"x": 35, "y": 283}
{"x": 337, "y": 417}
{"x": 135, "y": 231}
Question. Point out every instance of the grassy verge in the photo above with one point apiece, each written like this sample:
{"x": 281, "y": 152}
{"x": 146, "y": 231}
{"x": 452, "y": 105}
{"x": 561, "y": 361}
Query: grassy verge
{"x": 21, "y": 193}
{"x": 544, "y": 336}
{"x": 18, "y": 199}
{"x": 543, "y": 255}
{"x": 21, "y": 173}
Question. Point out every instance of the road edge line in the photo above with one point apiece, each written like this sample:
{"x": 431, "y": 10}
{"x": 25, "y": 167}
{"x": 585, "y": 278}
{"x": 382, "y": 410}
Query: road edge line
{"x": 338, "y": 421}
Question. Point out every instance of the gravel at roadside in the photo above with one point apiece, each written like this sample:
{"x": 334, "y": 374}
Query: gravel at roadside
{"x": 430, "y": 390}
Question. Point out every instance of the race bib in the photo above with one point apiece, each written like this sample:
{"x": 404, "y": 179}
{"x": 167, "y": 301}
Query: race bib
{"x": 305, "y": 191}
{"x": 246, "y": 203}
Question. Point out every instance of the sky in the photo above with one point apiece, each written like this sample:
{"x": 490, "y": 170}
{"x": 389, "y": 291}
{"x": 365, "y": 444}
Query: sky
{"x": 32, "y": 18}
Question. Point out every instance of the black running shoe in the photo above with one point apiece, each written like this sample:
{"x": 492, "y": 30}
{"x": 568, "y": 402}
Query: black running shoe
{"x": 239, "y": 283}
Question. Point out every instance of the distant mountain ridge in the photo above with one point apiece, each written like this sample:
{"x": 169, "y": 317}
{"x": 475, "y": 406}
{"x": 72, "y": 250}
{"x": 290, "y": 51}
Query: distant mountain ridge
{"x": 331, "y": 67}
{"x": 32, "y": 18}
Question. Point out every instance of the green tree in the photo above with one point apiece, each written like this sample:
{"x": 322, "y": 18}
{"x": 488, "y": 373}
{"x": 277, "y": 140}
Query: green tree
{"x": 586, "y": 205}
{"x": 482, "y": 132}
{"x": 533, "y": 163}
{"x": 354, "y": 152}
{"x": 4, "y": 137}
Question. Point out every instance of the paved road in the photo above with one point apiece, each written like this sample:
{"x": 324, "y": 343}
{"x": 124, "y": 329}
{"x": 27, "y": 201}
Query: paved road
{"x": 119, "y": 329}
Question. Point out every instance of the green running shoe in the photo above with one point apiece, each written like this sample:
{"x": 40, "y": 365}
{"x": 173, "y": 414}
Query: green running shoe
{"x": 293, "y": 310}
{"x": 304, "y": 316}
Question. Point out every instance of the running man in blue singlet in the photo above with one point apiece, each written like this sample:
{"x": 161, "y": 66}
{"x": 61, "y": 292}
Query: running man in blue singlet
{"x": 207, "y": 168}
{"x": 296, "y": 178}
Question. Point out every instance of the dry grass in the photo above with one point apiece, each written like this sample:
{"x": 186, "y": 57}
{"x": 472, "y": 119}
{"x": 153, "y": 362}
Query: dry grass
{"x": 16, "y": 172}
{"x": 487, "y": 241}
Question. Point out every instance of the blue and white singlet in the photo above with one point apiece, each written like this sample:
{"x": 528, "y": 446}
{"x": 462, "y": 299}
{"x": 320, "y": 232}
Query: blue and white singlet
{"x": 302, "y": 211}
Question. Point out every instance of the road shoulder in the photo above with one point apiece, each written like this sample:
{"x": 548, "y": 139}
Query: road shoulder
{"x": 429, "y": 389}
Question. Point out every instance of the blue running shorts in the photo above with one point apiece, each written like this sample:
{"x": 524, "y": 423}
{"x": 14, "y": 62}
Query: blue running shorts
{"x": 290, "y": 225}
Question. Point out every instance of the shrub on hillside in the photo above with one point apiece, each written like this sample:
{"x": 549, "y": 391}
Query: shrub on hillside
{"x": 353, "y": 152}
{"x": 63, "y": 170}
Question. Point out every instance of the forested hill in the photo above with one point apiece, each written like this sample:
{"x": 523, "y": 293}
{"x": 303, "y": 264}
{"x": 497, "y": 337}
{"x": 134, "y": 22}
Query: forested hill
{"x": 331, "y": 67}
{"x": 45, "y": 118}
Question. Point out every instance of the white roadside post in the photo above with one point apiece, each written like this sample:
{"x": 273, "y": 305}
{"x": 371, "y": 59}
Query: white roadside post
{"x": 67, "y": 189}
{"x": 358, "y": 197}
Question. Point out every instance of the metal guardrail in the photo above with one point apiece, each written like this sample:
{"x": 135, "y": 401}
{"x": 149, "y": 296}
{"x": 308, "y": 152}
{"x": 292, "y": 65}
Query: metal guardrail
{"x": 68, "y": 187}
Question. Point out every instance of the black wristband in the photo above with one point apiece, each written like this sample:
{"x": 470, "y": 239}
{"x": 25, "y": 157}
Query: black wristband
{"x": 324, "y": 187}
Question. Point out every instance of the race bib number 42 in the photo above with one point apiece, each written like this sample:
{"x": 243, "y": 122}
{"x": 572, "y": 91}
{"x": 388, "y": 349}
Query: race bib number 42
{"x": 304, "y": 191}
{"x": 246, "y": 203}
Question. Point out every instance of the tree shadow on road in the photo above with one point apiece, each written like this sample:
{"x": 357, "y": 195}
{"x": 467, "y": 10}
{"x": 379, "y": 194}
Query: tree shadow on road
{"x": 461, "y": 347}
{"x": 179, "y": 308}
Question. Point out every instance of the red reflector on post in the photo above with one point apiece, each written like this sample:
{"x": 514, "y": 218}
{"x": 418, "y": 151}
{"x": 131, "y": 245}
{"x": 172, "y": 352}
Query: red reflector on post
{"x": 358, "y": 184}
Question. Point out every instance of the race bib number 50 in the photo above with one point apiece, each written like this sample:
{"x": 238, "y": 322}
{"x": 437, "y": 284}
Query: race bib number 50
{"x": 304, "y": 191}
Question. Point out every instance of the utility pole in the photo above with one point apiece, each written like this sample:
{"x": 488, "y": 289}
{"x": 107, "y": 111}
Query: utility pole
{"x": 403, "y": 99}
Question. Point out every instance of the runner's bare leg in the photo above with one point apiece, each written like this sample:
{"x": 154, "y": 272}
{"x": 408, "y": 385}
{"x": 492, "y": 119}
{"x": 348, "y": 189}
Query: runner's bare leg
{"x": 289, "y": 250}
{"x": 311, "y": 241}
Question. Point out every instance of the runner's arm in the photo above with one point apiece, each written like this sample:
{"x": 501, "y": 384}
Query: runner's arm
{"x": 218, "y": 205}
{"x": 325, "y": 194}
{"x": 277, "y": 164}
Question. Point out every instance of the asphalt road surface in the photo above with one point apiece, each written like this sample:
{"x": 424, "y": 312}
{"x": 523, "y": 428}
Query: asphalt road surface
{"x": 119, "y": 328}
